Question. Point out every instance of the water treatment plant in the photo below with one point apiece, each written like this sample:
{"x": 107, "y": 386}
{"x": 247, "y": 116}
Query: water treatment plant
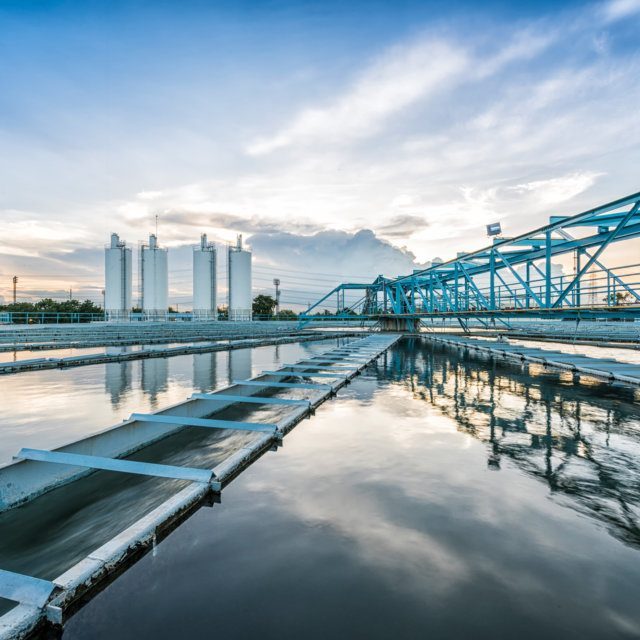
{"x": 489, "y": 362}
{"x": 319, "y": 320}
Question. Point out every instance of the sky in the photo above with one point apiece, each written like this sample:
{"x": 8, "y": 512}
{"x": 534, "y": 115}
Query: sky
{"x": 342, "y": 139}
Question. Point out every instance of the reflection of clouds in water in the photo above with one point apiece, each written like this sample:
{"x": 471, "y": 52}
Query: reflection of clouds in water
{"x": 394, "y": 444}
{"x": 580, "y": 438}
{"x": 414, "y": 462}
{"x": 400, "y": 551}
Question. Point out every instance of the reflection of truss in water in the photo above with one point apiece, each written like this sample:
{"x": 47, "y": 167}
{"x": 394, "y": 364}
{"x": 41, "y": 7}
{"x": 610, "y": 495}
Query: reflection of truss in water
{"x": 584, "y": 441}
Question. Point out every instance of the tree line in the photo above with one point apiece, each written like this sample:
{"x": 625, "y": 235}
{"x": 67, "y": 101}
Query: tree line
{"x": 264, "y": 306}
{"x": 48, "y": 305}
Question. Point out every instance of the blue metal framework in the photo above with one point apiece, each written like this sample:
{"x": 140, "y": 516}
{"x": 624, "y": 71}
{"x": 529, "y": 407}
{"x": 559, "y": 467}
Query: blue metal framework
{"x": 514, "y": 276}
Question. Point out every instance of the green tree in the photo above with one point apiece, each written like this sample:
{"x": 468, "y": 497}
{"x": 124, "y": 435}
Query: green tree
{"x": 64, "y": 310}
{"x": 263, "y": 305}
{"x": 618, "y": 298}
{"x": 287, "y": 314}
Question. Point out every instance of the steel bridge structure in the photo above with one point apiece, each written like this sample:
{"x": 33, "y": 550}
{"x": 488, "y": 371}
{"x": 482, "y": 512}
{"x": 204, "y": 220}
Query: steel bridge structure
{"x": 513, "y": 277}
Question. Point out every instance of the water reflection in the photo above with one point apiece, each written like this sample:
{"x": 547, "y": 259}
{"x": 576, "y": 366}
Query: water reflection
{"x": 582, "y": 438}
{"x": 240, "y": 363}
{"x": 204, "y": 371}
{"x": 154, "y": 378}
{"x": 117, "y": 381}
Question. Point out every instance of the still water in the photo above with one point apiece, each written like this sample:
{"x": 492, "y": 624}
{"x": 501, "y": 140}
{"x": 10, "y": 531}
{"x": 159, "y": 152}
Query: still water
{"x": 50, "y": 534}
{"x": 439, "y": 496}
{"x": 30, "y": 354}
{"x": 47, "y": 409}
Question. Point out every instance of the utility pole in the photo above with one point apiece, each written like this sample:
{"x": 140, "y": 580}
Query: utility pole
{"x": 70, "y": 294}
{"x": 15, "y": 288}
{"x": 276, "y": 282}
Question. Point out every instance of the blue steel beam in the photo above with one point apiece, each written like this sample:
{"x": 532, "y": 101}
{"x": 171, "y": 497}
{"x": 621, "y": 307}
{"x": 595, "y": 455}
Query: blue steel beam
{"x": 613, "y": 275}
{"x": 224, "y": 397}
{"x": 205, "y": 423}
{"x": 610, "y": 238}
{"x": 282, "y": 385}
{"x": 117, "y": 464}
{"x": 473, "y": 282}
{"x": 302, "y": 374}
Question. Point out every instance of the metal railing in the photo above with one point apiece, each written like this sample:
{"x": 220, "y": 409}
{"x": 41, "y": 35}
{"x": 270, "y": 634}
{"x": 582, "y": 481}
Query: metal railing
{"x": 515, "y": 276}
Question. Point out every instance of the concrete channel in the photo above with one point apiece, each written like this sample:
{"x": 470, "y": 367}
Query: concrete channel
{"x": 96, "y": 334}
{"x": 36, "y": 364}
{"x": 40, "y": 338}
{"x": 604, "y": 368}
{"x": 297, "y": 389}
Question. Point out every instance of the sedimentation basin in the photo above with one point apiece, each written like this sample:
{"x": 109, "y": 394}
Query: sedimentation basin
{"x": 442, "y": 493}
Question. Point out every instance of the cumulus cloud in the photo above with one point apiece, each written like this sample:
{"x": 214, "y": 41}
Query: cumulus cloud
{"x": 361, "y": 253}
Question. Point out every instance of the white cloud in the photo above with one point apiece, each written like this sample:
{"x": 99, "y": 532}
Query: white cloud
{"x": 560, "y": 189}
{"x": 525, "y": 45}
{"x": 618, "y": 9}
{"x": 401, "y": 77}
{"x": 29, "y": 234}
{"x": 149, "y": 195}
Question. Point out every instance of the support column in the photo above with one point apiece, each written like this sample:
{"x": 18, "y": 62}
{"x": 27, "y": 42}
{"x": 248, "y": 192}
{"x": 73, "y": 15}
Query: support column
{"x": 547, "y": 271}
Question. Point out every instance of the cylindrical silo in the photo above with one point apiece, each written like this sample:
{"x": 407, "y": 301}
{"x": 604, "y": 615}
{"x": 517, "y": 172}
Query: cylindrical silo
{"x": 117, "y": 279}
{"x": 239, "y": 264}
{"x": 204, "y": 281}
{"x": 154, "y": 277}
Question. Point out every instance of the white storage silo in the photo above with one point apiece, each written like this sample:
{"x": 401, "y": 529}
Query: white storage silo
{"x": 239, "y": 265}
{"x": 154, "y": 279}
{"x": 117, "y": 279}
{"x": 204, "y": 281}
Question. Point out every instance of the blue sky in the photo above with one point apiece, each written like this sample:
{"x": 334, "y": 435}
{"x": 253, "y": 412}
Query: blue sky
{"x": 345, "y": 138}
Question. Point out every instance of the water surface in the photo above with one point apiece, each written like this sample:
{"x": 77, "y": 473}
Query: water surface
{"x": 50, "y": 408}
{"x": 441, "y": 495}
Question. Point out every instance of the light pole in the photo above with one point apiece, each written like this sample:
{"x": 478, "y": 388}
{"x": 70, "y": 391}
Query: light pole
{"x": 15, "y": 288}
{"x": 276, "y": 282}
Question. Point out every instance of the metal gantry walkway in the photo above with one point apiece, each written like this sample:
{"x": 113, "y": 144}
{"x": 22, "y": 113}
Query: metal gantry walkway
{"x": 513, "y": 277}
{"x": 39, "y": 471}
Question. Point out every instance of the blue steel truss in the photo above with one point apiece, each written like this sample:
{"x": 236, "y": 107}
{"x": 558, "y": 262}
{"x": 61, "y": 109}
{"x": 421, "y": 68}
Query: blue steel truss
{"x": 513, "y": 276}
